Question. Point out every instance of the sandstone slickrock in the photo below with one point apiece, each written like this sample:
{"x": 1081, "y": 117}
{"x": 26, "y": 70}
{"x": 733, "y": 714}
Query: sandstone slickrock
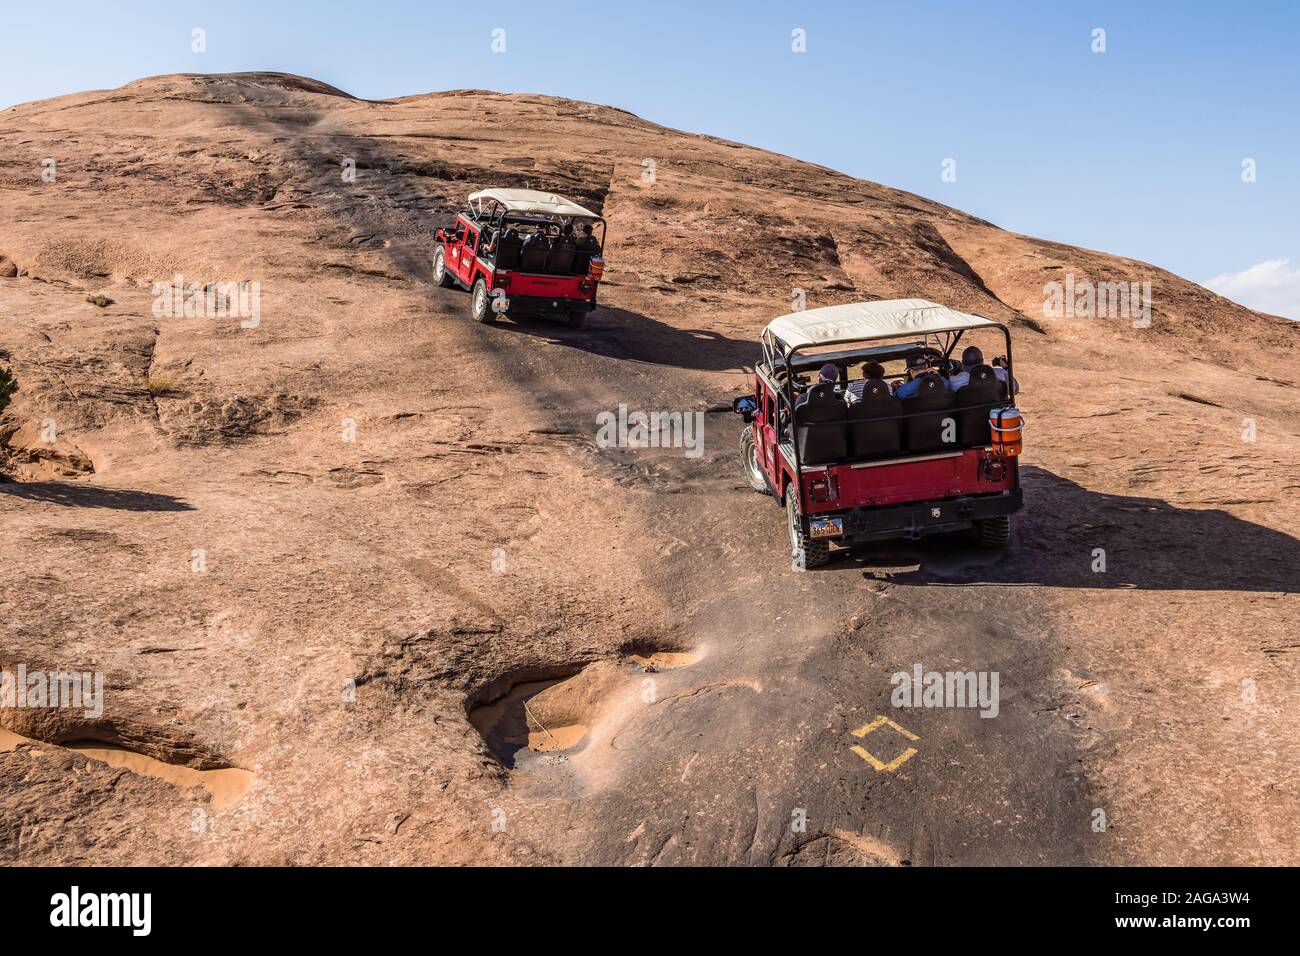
{"x": 345, "y": 523}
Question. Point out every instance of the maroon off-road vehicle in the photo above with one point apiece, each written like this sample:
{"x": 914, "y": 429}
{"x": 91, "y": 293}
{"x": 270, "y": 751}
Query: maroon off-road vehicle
{"x": 519, "y": 251}
{"x": 876, "y": 466}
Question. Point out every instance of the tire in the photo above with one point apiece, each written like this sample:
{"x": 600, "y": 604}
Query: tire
{"x": 993, "y": 532}
{"x": 805, "y": 552}
{"x": 440, "y": 274}
{"x": 480, "y": 303}
{"x": 574, "y": 320}
{"x": 749, "y": 462}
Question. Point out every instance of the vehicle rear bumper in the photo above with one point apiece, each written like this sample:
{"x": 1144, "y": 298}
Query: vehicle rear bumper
{"x": 919, "y": 518}
{"x": 540, "y": 304}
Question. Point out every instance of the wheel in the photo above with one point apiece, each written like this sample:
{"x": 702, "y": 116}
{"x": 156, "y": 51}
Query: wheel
{"x": 480, "y": 305}
{"x": 440, "y": 273}
{"x": 993, "y": 532}
{"x": 749, "y": 462}
{"x": 805, "y": 552}
{"x": 574, "y": 320}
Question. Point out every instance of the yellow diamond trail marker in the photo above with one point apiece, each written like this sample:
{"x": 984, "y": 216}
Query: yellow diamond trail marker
{"x": 880, "y": 765}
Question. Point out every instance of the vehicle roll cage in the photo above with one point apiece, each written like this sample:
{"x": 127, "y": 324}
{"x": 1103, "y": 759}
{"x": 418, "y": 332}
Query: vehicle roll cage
{"x": 774, "y": 351}
{"x": 492, "y": 214}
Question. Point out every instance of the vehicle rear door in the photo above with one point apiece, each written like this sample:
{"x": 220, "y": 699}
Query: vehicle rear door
{"x": 456, "y": 249}
{"x": 768, "y": 441}
{"x": 468, "y": 249}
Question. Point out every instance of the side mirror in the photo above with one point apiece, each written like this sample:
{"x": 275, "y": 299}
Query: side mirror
{"x": 745, "y": 406}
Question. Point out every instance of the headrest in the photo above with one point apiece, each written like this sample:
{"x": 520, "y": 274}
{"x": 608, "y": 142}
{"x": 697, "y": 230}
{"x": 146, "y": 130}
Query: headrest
{"x": 822, "y": 391}
{"x": 982, "y": 373}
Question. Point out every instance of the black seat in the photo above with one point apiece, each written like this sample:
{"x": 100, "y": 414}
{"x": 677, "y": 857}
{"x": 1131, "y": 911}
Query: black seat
{"x": 925, "y": 432}
{"x": 984, "y": 390}
{"x": 535, "y": 254}
{"x": 560, "y": 260}
{"x": 820, "y": 446}
{"x": 508, "y": 252}
{"x": 874, "y": 430}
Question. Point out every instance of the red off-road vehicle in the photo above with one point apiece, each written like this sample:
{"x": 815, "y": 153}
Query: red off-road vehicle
{"x": 521, "y": 251}
{"x": 873, "y": 466}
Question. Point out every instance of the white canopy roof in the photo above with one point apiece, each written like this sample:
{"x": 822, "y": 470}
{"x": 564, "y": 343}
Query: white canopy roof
{"x": 867, "y": 320}
{"x": 531, "y": 200}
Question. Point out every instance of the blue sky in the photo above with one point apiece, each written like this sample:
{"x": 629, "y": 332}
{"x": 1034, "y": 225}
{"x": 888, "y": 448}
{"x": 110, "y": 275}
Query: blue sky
{"x": 1136, "y": 151}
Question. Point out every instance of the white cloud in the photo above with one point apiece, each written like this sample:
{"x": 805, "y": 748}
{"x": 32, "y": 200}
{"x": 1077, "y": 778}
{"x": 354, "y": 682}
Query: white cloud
{"x": 1272, "y": 286}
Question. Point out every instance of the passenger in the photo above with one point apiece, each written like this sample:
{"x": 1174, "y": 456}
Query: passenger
{"x": 536, "y": 237}
{"x": 588, "y": 249}
{"x": 969, "y": 359}
{"x": 918, "y": 365}
{"x": 587, "y": 239}
{"x": 829, "y": 375}
{"x": 871, "y": 371}
{"x": 1000, "y": 370}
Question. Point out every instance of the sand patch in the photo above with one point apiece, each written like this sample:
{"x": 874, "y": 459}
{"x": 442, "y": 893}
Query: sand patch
{"x": 664, "y": 660}
{"x": 225, "y": 786}
{"x": 510, "y": 723}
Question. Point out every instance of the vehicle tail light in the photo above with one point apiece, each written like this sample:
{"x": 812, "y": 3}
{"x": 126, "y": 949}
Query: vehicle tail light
{"x": 502, "y": 280}
{"x": 597, "y": 268}
{"x": 584, "y": 286}
{"x": 1007, "y": 426}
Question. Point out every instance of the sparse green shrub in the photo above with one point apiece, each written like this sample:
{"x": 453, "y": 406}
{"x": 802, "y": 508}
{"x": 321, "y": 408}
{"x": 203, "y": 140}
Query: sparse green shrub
{"x": 102, "y": 301}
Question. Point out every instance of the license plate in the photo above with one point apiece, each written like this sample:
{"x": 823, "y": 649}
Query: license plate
{"x": 825, "y": 527}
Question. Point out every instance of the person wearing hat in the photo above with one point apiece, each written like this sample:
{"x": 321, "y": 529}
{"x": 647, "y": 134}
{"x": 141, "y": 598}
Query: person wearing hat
{"x": 826, "y": 379}
{"x": 969, "y": 359}
{"x": 918, "y": 364}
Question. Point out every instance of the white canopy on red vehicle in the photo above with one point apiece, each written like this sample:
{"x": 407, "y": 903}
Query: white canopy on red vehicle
{"x": 531, "y": 200}
{"x": 858, "y": 321}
